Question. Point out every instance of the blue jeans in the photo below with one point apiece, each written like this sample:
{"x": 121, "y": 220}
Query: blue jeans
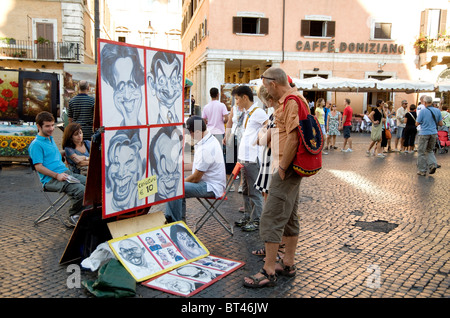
{"x": 176, "y": 210}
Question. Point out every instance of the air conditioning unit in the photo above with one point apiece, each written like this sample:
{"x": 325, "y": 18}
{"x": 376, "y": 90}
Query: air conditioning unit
{"x": 67, "y": 51}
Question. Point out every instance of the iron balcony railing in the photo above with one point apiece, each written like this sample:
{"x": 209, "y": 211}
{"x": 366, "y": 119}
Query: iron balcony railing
{"x": 40, "y": 50}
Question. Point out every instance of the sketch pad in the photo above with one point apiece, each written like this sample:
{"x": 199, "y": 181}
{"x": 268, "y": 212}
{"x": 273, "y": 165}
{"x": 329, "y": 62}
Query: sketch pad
{"x": 155, "y": 251}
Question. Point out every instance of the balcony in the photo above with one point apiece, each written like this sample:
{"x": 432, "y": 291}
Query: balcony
{"x": 433, "y": 51}
{"x": 39, "y": 50}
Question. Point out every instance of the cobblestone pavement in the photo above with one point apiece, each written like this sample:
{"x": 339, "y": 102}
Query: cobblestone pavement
{"x": 370, "y": 228}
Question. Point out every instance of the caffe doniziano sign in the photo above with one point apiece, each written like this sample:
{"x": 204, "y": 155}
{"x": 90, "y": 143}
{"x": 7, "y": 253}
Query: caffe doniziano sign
{"x": 349, "y": 47}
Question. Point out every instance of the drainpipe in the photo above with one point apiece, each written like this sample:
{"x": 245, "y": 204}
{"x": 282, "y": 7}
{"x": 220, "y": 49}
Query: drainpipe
{"x": 282, "y": 37}
{"x": 96, "y": 26}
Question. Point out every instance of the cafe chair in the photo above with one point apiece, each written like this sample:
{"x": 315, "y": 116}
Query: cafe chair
{"x": 55, "y": 204}
{"x": 212, "y": 204}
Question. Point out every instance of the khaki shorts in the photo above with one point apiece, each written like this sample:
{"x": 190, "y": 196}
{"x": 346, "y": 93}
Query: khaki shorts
{"x": 279, "y": 216}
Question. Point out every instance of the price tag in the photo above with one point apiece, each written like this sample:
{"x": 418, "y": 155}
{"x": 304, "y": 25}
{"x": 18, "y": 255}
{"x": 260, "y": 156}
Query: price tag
{"x": 147, "y": 187}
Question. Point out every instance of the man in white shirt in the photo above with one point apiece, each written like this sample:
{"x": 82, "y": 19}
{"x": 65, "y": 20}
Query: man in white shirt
{"x": 215, "y": 115}
{"x": 208, "y": 170}
{"x": 400, "y": 115}
{"x": 255, "y": 118}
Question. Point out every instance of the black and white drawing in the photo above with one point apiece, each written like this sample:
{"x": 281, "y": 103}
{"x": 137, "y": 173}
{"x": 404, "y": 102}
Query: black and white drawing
{"x": 164, "y": 87}
{"x": 136, "y": 258}
{"x": 125, "y": 165}
{"x": 185, "y": 242}
{"x": 166, "y": 161}
{"x": 122, "y": 85}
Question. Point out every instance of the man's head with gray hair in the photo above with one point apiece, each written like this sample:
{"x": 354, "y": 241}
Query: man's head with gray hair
{"x": 428, "y": 100}
{"x": 276, "y": 74}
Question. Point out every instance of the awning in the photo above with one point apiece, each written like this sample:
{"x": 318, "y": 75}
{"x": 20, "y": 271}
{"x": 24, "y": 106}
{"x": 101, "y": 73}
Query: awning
{"x": 443, "y": 87}
{"x": 188, "y": 82}
{"x": 408, "y": 86}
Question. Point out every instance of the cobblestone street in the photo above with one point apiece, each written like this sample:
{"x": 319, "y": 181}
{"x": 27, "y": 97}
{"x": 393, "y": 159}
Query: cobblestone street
{"x": 370, "y": 228}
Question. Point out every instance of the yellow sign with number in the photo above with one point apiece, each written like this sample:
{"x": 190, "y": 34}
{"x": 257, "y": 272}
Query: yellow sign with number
{"x": 147, "y": 187}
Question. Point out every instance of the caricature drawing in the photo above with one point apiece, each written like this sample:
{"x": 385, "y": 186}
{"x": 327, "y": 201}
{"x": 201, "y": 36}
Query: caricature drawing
{"x": 137, "y": 258}
{"x": 124, "y": 168}
{"x": 123, "y": 72}
{"x": 165, "y": 82}
{"x": 165, "y": 160}
{"x": 197, "y": 272}
{"x": 185, "y": 242}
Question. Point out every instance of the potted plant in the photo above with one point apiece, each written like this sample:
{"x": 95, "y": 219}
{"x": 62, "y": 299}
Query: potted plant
{"x": 422, "y": 42}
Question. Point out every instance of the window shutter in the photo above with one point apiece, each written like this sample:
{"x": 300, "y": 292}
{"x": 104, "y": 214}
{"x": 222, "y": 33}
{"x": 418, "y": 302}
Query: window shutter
{"x": 331, "y": 29}
{"x": 304, "y": 28}
{"x": 424, "y": 22}
{"x": 443, "y": 22}
{"x": 264, "y": 26}
{"x": 237, "y": 24}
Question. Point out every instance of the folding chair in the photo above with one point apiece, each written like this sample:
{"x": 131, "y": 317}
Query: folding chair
{"x": 212, "y": 204}
{"x": 55, "y": 206}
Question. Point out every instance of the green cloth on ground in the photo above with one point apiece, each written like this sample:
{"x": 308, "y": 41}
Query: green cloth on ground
{"x": 113, "y": 281}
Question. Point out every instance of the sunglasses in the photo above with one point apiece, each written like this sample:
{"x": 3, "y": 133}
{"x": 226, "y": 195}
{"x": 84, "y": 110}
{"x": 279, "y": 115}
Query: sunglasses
{"x": 268, "y": 78}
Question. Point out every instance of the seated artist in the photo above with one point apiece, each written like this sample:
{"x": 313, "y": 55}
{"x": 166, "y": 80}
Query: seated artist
{"x": 208, "y": 170}
{"x": 54, "y": 175}
{"x": 76, "y": 149}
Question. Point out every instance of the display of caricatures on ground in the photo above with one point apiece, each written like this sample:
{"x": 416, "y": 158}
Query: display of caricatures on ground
{"x": 189, "y": 279}
{"x": 152, "y": 252}
{"x": 141, "y": 93}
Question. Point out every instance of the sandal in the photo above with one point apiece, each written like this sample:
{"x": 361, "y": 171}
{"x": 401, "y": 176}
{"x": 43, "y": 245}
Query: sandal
{"x": 289, "y": 271}
{"x": 256, "y": 281}
{"x": 262, "y": 252}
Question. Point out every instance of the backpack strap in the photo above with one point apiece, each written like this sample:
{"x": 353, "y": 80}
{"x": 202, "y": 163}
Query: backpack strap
{"x": 300, "y": 103}
{"x": 248, "y": 116}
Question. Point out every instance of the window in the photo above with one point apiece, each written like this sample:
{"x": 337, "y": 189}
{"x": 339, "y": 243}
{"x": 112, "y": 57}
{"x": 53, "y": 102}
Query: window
{"x": 382, "y": 30}
{"x": 250, "y": 25}
{"x": 122, "y": 39}
{"x": 317, "y": 28}
{"x": 433, "y": 22}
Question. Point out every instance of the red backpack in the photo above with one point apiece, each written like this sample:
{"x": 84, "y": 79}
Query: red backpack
{"x": 308, "y": 160}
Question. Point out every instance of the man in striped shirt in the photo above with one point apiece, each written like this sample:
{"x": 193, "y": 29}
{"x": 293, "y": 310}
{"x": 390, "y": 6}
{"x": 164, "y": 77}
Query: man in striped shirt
{"x": 81, "y": 110}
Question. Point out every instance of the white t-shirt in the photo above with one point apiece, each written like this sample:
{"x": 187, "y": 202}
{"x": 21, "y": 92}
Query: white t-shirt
{"x": 208, "y": 158}
{"x": 253, "y": 121}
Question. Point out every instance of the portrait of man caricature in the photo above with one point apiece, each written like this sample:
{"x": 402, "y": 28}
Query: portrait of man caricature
{"x": 165, "y": 82}
{"x": 122, "y": 70}
{"x": 165, "y": 159}
{"x": 124, "y": 168}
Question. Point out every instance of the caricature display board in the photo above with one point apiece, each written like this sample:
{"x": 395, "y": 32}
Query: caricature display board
{"x": 153, "y": 252}
{"x": 190, "y": 279}
{"x": 140, "y": 100}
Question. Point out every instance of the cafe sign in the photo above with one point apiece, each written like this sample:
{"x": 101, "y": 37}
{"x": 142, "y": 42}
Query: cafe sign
{"x": 351, "y": 47}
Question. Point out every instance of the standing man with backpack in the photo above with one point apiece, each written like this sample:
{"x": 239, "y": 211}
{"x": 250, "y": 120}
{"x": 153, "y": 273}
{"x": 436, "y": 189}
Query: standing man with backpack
{"x": 279, "y": 221}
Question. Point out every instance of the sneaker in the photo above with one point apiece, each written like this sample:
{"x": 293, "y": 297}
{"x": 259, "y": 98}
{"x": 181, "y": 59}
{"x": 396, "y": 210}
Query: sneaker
{"x": 421, "y": 173}
{"x": 232, "y": 188}
{"x": 242, "y": 222}
{"x": 242, "y": 209}
{"x": 250, "y": 226}
{"x": 240, "y": 189}
{"x": 349, "y": 150}
{"x": 343, "y": 150}
{"x": 380, "y": 155}
{"x": 324, "y": 153}
{"x": 432, "y": 170}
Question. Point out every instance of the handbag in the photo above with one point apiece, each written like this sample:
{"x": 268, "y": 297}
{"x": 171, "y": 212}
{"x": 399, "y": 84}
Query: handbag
{"x": 387, "y": 133}
{"x": 375, "y": 135}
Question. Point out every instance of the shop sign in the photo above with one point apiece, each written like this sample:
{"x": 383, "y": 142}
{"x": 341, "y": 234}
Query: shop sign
{"x": 352, "y": 47}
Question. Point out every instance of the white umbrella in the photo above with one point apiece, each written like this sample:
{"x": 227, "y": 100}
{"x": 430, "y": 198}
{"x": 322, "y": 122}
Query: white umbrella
{"x": 401, "y": 85}
{"x": 443, "y": 86}
{"x": 347, "y": 84}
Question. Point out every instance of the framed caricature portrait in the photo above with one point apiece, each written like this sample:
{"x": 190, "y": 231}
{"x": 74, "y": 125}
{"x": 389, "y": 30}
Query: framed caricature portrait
{"x": 165, "y": 162}
{"x": 139, "y": 89}
{"x": 165, "y": 87}
{"x": 125, "y": 165}
{"x": 122, "y": 85}
{"x": 152, "y": 252}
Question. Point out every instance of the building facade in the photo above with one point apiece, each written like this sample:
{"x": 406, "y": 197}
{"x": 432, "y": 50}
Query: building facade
{"x": 153, "y": 23}
{"x": 236, "y": 41}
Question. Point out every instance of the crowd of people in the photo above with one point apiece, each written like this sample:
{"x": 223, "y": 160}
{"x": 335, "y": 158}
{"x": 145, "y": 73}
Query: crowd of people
{"x": 264, "y": 142}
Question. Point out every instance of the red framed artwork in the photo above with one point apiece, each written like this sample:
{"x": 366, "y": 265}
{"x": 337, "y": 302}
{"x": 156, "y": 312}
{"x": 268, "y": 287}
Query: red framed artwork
{"x": 141, "y": 94}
